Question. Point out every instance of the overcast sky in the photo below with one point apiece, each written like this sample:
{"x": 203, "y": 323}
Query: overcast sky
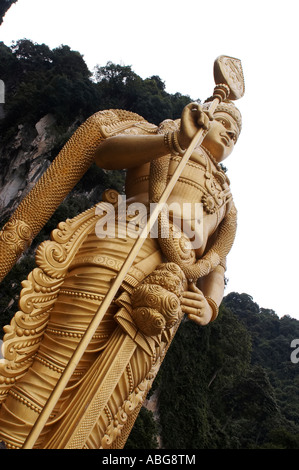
{"x": 179, "y": 41}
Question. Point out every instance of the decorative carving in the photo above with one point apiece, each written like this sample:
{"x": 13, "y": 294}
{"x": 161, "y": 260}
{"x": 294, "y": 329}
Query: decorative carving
{"x": 23, "y": 335}
{"x": 129, "y": 407}
{"x": 153, "y": 307}
{"x": 118, "y": 422}
{"x": 17, "y": 235}
{"x": 156, "y": 301}
{"x": 55, "y": 256}
{"x": 229, "y": 70}
{"x": 40, "y": 290}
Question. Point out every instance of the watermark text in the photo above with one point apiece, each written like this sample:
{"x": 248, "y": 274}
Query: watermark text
{"x": 2, "y": 92}
{"x": 295, "y": 353}
{"x": 129, "y": 220}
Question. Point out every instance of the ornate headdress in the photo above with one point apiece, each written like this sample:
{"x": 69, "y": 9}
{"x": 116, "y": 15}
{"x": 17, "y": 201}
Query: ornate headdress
{"x": 229, "y": 108}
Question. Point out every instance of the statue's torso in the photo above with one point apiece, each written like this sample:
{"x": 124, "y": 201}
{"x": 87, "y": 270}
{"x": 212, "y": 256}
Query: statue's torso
{"x": 200, "y": 198}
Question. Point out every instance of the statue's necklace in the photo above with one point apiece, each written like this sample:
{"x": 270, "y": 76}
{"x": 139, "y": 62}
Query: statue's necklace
{"x": 214, "y": 198}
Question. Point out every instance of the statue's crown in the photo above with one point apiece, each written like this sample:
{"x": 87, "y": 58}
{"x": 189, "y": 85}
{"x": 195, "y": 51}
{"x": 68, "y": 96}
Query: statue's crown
{"x": 229, "y": 108}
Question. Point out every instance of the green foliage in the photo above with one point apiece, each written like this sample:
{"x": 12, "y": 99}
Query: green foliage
{"x": 39, "y": 81}
{"x": 120, "y": 87}
{"x": 144, "y": 434}
{"x": 199, "y": 362}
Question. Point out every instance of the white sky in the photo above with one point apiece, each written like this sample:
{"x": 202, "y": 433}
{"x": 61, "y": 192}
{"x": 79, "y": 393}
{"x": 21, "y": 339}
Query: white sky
{"x": 179, "y": 41}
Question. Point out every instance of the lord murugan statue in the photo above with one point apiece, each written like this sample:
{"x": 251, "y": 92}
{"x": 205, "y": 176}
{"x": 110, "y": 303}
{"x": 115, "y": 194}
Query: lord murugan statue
{"x": 71, "y": 377}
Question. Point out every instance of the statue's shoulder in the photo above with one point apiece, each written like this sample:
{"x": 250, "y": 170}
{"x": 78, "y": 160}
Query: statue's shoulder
{"x": 169, "y": 125}
{"x": 118, "y": 121}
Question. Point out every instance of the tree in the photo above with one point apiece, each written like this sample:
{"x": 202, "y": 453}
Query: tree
{"x": 41, "y": 81}
{"x": 144, "y": 434}
{"x": 120, "y": 87}
{"x": 32, "y": 56}
{"x": 200, "y": 363}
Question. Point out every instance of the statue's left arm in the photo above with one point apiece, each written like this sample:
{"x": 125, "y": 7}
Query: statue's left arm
{"x": 201, "y": 302}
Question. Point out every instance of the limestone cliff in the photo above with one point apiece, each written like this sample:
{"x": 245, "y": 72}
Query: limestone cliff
{"x": 23, "y": 159}
{"x": 4, "y": 6}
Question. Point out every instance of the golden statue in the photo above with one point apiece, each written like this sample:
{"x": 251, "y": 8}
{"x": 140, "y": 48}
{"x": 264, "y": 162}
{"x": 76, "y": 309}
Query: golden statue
{"x": 101, "y": 308}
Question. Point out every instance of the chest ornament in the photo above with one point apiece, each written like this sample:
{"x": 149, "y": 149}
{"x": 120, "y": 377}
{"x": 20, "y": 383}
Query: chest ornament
{"x": 216, "y": 185}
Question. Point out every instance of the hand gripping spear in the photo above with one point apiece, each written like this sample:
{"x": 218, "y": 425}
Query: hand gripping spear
{"x": 228, "y": 76}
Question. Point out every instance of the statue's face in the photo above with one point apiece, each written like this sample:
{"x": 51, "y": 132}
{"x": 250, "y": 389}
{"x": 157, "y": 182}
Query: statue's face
{"x": 222, "y": 136}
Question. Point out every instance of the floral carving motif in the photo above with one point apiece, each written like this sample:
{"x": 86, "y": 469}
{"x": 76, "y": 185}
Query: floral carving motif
{"x": 17, "y": 234}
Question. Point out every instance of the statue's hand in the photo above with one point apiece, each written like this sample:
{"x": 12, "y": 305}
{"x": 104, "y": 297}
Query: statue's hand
{"x": 196, "y": 307}
{"x": 193, "y": 118}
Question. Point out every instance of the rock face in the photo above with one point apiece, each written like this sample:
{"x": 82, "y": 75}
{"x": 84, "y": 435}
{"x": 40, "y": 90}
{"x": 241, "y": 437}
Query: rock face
{"x": 23, "y": 161}
{"x": 5, "y": 5}
{"x": 152, "y": 404}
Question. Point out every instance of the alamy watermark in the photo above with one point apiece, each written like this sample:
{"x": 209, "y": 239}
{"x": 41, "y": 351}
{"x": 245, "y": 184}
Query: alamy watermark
{"x": 2, "y": 92}
{"x": 127, "y": 220}
{"x": 295, "y": 353}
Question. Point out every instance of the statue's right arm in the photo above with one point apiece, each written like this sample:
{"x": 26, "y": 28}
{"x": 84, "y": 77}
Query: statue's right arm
{"x": 128, "y": 151}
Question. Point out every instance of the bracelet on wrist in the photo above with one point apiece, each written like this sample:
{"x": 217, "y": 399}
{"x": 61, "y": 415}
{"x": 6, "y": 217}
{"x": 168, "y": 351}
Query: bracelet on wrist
{"x": 172, "y": 143}
{"x": 176, "y": 144}
{"x": 214, "y": 308}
